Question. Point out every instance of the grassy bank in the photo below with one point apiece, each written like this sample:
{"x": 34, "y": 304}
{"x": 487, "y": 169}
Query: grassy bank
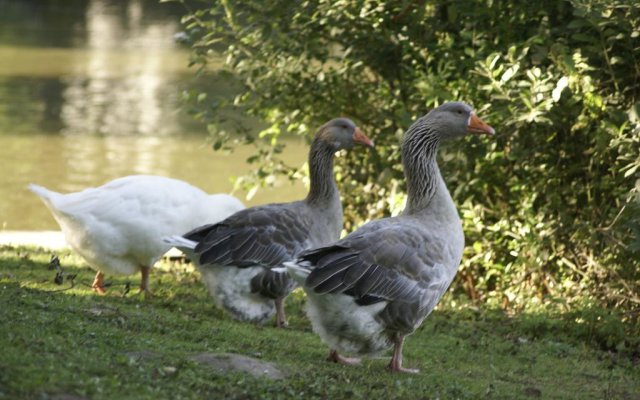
{"x": 60, "y": 341}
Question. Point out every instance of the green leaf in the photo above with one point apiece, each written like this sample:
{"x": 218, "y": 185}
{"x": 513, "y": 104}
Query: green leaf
{"x": 632, "y": 170}
{"x": 560, "y": 86}
{"x": 509, "y": 73}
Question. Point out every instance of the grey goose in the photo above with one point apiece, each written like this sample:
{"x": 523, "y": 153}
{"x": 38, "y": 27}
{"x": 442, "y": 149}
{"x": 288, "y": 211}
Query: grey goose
{"x": 241, "y": 258}
{"x": 369, "y": 290}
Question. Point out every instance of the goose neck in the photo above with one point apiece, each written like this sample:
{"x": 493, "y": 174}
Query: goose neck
{"x": 419, "y": 151}
{"x": 323, "y": 186}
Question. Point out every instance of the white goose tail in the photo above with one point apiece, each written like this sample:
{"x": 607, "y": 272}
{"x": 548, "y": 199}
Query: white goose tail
{"x": 48, "y": 197}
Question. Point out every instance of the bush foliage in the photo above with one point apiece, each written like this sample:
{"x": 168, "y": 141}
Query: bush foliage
{"x": 550, "y": 205}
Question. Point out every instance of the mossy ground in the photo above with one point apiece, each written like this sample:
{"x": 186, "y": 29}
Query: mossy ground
{"x": 65, "y": 343}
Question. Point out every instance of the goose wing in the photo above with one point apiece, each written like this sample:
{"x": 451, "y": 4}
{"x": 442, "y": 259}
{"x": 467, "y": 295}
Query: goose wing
{"x": 386, "y": 260}
{"x": 266, "y": 236}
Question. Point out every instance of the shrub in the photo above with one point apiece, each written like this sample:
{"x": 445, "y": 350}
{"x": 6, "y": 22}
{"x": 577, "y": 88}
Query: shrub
{"x": 549, "y": 206}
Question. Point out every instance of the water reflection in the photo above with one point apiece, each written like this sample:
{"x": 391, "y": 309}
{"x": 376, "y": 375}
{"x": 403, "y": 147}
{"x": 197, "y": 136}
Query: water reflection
{"x": 119, "y": 90}
{"x": 115, "y": 68}
{"x": 89, "y": 92}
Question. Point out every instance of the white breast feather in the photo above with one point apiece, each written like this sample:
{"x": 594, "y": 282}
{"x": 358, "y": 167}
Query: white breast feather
{"x": 230, "y": 288}
{"x": 346, "y": 326}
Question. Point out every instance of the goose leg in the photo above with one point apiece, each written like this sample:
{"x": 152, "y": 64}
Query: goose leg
{"x": 396, "y": 361}
{"x": 98, "y": 283}
{"x": 338, "y": 359}
{"x": 144, "y": 282}
{"x": 281, "y": 320}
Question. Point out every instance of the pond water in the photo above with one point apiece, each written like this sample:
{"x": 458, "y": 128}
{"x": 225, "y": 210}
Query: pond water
{"x": 90, "y": 91}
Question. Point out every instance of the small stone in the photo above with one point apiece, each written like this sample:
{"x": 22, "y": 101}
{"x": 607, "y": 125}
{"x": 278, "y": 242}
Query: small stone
{"x": 169, "y": 370}
{"x": 224, "y": 362}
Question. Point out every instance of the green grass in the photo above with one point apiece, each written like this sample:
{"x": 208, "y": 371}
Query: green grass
{"x": 72, "y": 342}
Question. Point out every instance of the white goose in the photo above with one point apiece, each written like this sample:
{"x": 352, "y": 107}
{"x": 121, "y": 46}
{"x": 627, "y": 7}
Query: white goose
{"x": 118, "y": 227}
{"x": 369, "y": 290}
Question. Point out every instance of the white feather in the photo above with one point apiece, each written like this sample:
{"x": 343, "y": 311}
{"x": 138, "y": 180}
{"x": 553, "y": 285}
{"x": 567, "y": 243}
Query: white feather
{"x": 180, "y": 242}
{"x": 297, "y": 272}
{"x": 230, "y": 288}
{"x": 339, "y": 321}
{"x": 346, "y": 326}
{"x": 183, "y": 244}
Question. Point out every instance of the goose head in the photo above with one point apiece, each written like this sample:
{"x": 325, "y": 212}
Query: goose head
{"x": 456, "y": 119}
{"x": 342, "y": 133}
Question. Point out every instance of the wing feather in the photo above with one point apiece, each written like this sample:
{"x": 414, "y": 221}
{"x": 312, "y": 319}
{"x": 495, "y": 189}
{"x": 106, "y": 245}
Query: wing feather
{"x": 338, "y": 263}
{"x": 266, "y": 235}
{"x": 382, "y": 261}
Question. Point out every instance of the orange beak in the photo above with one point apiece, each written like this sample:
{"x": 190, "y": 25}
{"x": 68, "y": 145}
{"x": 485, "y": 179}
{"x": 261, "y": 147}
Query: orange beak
{"x": 476, "y": 125}
{"x": 361, "y": 138}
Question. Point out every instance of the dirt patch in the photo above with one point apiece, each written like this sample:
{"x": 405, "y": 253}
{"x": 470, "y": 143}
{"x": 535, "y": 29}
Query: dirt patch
{"x": 533, "y": 392}
{"x": 224, "y": 362}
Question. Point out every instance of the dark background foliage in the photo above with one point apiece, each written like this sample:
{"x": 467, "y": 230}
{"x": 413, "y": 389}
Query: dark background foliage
{"x": 550, "y": 205}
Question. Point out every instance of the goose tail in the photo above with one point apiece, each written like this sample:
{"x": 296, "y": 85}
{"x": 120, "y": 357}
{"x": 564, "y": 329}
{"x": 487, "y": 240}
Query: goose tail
{"x": 183, "y": 244}
{"x": 48, "y": 196}
{"x": 298, "y": 270}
